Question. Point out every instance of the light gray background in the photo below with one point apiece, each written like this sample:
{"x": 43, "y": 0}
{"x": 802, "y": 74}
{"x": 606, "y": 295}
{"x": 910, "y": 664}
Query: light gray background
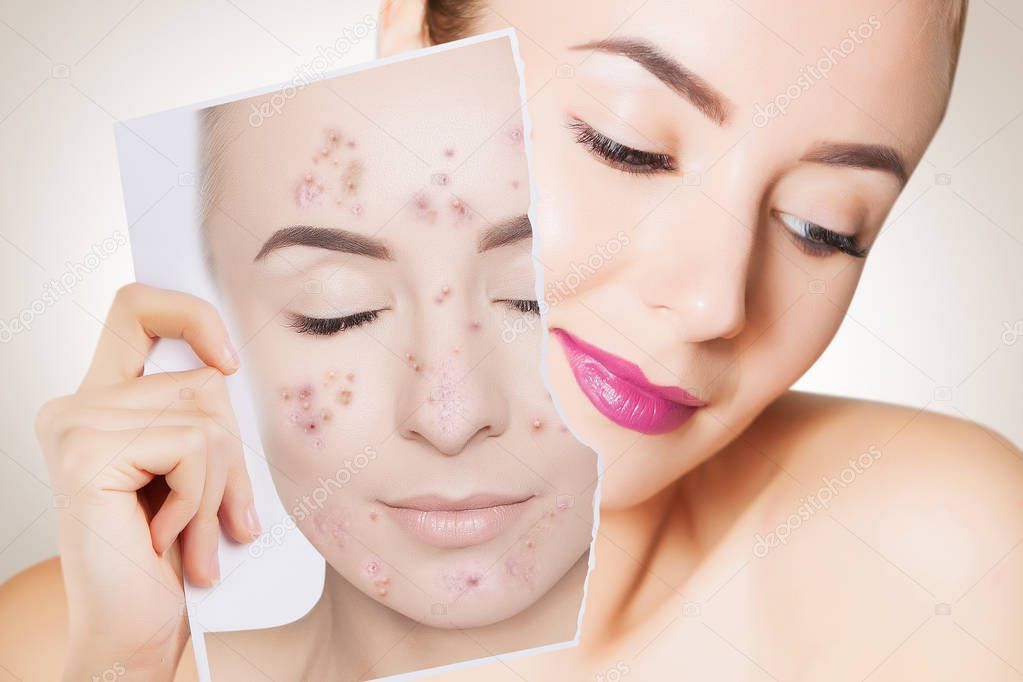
{"x": 928, "y": 326}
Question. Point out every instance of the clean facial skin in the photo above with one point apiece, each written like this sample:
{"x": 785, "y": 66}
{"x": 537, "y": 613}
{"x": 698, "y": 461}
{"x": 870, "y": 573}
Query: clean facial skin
{"x": 734, "y": 248}
{"x": 372, "y": 241}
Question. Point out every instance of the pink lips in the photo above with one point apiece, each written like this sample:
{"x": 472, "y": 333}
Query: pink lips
{"x": 622, "y": 393}
{"x": 456, "y": 523}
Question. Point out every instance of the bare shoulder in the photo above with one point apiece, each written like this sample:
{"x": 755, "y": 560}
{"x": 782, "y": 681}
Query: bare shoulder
{"x": 33, "y": 622}
{"x": 937, "y": 496}
{"x": 830, "y": 429}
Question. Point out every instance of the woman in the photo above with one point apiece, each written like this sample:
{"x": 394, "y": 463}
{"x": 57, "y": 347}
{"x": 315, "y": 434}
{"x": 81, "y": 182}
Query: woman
{"x": 711, "y": 177}
{"x": 371, "y": 244}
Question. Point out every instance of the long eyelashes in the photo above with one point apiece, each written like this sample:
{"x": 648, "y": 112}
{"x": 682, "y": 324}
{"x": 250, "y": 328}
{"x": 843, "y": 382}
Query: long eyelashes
{"x": 817, "y": 240}
{"x": 618, "y": 155}
{"x": 326, "y": 326}
{"x": 524, "y": 306}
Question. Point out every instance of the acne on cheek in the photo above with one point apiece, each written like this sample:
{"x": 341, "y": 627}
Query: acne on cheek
{"x": 331, "y": 528}
{"x": 377, "y": 575}
{"x": 311, "y": 410}
{"x": 522, "y": 564}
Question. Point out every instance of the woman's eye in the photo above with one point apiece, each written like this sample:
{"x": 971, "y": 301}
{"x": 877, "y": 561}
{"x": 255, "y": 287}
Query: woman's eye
{"x": 523, "y": 305}
{"x": 619, "y": 156}
{"x": 327, "y": 326}
{"x": 817, "y": 240}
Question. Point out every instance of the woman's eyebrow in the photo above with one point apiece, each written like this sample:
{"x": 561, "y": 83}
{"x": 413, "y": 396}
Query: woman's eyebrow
{"x": 505, "y": 232}
{"x": 325, "y": 238}
{"x": 669, "y": 71}
{"x": 855, "y": 155}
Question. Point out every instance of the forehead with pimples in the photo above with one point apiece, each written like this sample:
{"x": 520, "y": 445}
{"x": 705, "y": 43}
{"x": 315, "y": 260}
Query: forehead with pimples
{"x": 377, "y": 152}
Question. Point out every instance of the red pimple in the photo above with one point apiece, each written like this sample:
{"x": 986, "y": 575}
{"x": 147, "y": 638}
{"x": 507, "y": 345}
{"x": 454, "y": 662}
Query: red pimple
{"x": 515, "y": 135}
{"x": 449, "y": 152}
{"x": 474, "y": 326}
{"x": 351, "y": 144}
{"x": 440, "y": 179}
{"x": 305, "y": 393}
{"x": 357, "y": 210}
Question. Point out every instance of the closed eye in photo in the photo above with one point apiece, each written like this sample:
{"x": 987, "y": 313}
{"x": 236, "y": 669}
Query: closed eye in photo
{"x": 525, "y": 306}
{"x": 328, "y": 326}
{"x": 817, "y": 240}
{"x": 619, "y": 156}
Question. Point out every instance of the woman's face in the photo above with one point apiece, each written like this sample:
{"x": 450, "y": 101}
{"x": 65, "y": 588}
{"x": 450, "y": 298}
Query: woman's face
{"x": 370, "y": 235}
{"x": 709, "y": 177}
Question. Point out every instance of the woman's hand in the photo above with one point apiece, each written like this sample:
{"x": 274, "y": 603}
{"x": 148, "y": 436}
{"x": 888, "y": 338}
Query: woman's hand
{"x": 138, "y": 462}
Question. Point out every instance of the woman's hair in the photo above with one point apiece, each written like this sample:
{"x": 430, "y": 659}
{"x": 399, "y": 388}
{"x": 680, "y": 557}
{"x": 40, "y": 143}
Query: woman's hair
{"x": 447, "y": 20}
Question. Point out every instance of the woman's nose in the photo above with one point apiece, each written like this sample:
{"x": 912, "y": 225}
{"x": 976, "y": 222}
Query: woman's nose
{"x": 695, "y": 269}
{"x": 452, "y": 397}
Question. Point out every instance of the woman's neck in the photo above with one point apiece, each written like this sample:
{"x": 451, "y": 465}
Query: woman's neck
{"x": 349, "y": 635}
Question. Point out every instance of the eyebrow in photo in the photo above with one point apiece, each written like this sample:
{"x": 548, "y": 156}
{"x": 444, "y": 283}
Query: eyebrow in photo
{"x": 500, "y": 234}
{"x": 713, "y": 104}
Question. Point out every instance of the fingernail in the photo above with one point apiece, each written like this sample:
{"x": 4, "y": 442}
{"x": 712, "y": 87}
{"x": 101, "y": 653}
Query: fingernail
{"x": 229, "y": 356}
{"x": 253, "y": 521}
{"x": 214, "y": 570}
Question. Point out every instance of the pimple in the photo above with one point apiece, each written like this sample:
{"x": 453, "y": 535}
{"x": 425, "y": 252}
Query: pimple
{"x": 474, "y": 326}
{"x": 382, "y": 586}
{"x": 371, "y": 567}
{"x": 305, "y": 393}
{"x": 515, "y": 184}
{"x": 356, "y": 210}
{"x": 515, "y": 135}
{"x": 373, "y": 516}
{"x": 460, "y": 209}
{"x": 317, "y": 443}
{"x": 351, "y": 144}
{"x": 449, "y": 152}
{"x": 352, "y": 177}
{"x": 350, "y": 376}
{"x": 331, "y": 528}
{"x": 537, "y": 425}
{"x": 326, "y": 415}
{"x": 285, "y": 394}
{"x": 344, "y": 396}
{"x": 308, "y": 192}
{"x": 414, "y": 363}
{"x": 440, "y": 179}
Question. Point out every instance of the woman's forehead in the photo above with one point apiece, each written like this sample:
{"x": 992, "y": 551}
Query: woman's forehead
{"x": 378, "y": 159}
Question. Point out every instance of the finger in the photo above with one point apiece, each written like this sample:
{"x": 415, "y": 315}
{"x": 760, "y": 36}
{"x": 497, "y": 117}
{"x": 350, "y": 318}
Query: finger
{"x": 201, "y": 536}
{"x": 141, "y": 314}
{"x": 203, "y": 389}
{"x": 180, "y": 457}
{"x": 238, "y": 511}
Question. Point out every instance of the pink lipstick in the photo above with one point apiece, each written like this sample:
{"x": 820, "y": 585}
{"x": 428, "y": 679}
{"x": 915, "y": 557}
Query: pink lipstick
{"x": 452, "y": 524}
{"x": 622, "y": 393}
